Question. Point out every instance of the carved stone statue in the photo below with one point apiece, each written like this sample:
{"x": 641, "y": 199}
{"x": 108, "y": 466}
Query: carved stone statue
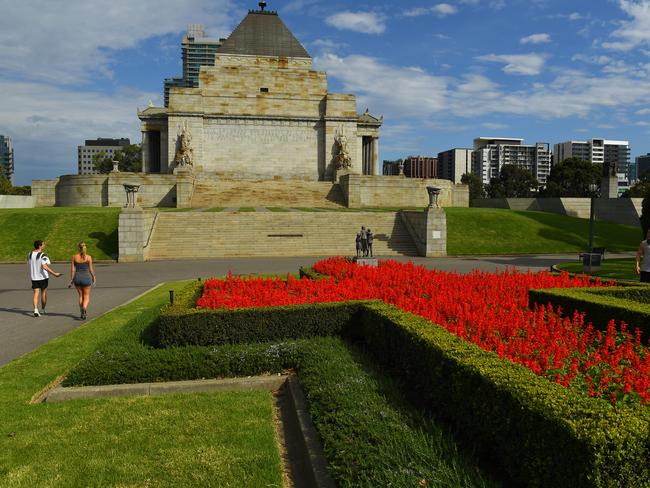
{"x": 184, "y": 153}
{"x": 609, "y": 168}
{"x": 342, "y": 158}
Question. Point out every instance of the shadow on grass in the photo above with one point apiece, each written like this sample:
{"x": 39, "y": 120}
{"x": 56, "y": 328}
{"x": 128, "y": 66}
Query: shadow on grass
{"x": 107, "y": 243}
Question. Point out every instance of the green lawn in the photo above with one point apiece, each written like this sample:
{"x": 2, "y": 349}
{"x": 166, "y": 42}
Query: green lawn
{"x": 183, "y": 440}
{"x": 498, "y": 231}
{"x": 620, "y": 269}
{"x": 62, "y": 228}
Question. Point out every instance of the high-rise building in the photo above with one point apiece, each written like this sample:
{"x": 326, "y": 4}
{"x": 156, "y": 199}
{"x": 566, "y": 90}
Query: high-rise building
{"x": 598, "y": 151}
{"x": 454, "y": 163}
{"x": 421, "y": 167}
{"x": 412, "y": 167}
{"x": 197, "y": 50}
{"x": 93, "y": 147}
{"x": 491, "y": 153}
{"x": 7, "y": 157}
{"x": 642, "y": 166}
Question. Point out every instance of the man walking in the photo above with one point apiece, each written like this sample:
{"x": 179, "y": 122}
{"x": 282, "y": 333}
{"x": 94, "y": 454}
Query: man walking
{"x": 38, "y": 270}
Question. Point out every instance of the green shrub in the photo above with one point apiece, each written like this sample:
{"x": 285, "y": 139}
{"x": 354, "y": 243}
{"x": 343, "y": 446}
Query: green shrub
{"x": 311, "y": 274}
{"x": 371, "y": 437}
{"x": 119, "y": 365}
{"x": 539, "y": 432}
{"x": 630, "y": 304}
{"x": 179, "y": 326}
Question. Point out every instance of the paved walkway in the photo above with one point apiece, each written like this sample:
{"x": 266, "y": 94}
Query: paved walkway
{"x": 117, "y": 283}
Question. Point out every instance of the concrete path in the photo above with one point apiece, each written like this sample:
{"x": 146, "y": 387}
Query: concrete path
{"x": 117, "y": 283}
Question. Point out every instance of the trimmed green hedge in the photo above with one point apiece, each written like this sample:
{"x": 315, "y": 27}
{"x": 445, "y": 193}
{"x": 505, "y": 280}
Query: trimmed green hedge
{"x": 541, "y": 433}
{"x": 183, "y": 325}
{"x": 371, "y": 436}
{"x": 622, "y": 303}
{"x": 538, "y": 432}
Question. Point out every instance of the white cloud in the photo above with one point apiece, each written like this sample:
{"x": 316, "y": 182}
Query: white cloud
{"x": 444, "y": 9}
{"x": 518, "y": 64}
{"x": 633, "y": 32}
{"x": 575, "y": 16}
{"x": 73, "y": 42}
{"x": 441, "y": 10}
{"x": 541, "y": 38}
{"x": 405, "y": 92}
{"x": 494, "y": 125}
{"x": 394, "y": 91}
{"x": 47, "y": 123}
{"x": 364, "y": 22}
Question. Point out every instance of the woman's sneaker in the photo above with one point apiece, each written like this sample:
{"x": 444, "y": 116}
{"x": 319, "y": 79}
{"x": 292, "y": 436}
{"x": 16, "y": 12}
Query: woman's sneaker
{"x": 36, "y": 314}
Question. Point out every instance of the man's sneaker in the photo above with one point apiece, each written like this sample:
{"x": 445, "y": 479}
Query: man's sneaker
{"x": 36, "y": 314}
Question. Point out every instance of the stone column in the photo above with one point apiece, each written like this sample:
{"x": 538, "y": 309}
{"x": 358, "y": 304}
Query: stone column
{"x": 145, "y": 152}
{"x": 375, "y": 156}
{"x": 436, "y": 232}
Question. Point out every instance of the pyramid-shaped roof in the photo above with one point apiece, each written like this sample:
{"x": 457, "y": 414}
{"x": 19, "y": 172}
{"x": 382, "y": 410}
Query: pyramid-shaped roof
{"x": 262, "y": 33}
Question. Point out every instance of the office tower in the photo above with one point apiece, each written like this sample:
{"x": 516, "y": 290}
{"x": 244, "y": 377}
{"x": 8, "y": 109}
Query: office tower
{"x": 93, "y": 147}
{"x": 598, "y": 151}
{"x": 197, "y": 50}
{"x": 454, "y": 163}
{"x": 642, "y": 166}
{"x": 7, "y": 157}
{"x": 491, "y": 153}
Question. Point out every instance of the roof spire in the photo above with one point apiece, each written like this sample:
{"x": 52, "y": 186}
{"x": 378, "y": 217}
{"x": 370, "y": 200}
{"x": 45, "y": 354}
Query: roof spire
{"x": 262, "y": 5}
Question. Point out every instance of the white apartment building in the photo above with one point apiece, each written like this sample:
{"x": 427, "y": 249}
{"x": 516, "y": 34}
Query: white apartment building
{"x": 93, "y": 147}
{"x": 491, "y": 153}
{"x": 454, "y": 163}
{"x": 598, "y": 151}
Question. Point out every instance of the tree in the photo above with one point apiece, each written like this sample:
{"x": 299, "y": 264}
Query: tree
{"x": 642, "y": 187}
{"x": 571, "y": 178}
{"x": 513, "y": 182}
{"x": 129, "y": 159}
{"x": 475, "y": 185}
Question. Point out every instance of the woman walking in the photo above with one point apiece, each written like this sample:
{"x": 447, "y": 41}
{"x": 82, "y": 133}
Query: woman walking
{"x": 82, "y": 276}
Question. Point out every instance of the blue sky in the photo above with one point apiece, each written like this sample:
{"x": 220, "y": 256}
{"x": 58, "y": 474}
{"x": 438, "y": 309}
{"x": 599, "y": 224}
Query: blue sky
{"x": 441, "y": 73}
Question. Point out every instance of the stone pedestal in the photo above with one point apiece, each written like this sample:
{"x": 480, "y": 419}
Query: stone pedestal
{"x": 609, "y": 187}
{"x": 133, "y": 234}
{"x": 436, "y": 232}
{"x": 373, "y": 262}
{"x": 184, "y": 187}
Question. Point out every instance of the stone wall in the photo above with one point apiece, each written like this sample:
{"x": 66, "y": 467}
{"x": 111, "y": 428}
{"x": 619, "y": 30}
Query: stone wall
{"x": 399, "y": 191}
{"x": 17, "y": 201}
{"x": 104, "y": 190}
{"x": 624, "y": 211}
{"x": 44, "y": 192}
{"x": 428, "y": 229}
{"x": 263, "y": 118}
{"x": 134, "y": 231}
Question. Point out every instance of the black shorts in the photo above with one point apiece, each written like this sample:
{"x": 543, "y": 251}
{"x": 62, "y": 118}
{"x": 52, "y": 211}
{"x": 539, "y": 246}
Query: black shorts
{"x": 645, "y": 276}
{"x": 42, "y": 284}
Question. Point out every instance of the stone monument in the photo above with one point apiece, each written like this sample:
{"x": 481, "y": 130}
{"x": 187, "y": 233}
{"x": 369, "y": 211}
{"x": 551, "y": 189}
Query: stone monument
{"x": 261, "y": 112}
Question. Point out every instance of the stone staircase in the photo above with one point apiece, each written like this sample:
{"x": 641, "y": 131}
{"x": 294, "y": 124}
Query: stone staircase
{"x": 188, "y": 235}
{"x": 212, "y": 192}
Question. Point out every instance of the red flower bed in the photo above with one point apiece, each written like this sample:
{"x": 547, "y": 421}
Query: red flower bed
{"x": 488, "y": 309}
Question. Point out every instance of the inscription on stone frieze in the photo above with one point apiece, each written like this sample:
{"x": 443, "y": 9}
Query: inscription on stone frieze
{"x": 259, "y": 134}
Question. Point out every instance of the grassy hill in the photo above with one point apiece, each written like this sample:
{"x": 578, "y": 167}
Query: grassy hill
{"x": 498, "y": 231}
{"x": 61, "y": 228}
{"x": 469, "y": 231}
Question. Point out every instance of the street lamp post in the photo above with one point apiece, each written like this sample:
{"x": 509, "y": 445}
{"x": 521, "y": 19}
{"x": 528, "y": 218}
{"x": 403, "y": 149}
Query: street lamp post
{"x": 592, "y": 260}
